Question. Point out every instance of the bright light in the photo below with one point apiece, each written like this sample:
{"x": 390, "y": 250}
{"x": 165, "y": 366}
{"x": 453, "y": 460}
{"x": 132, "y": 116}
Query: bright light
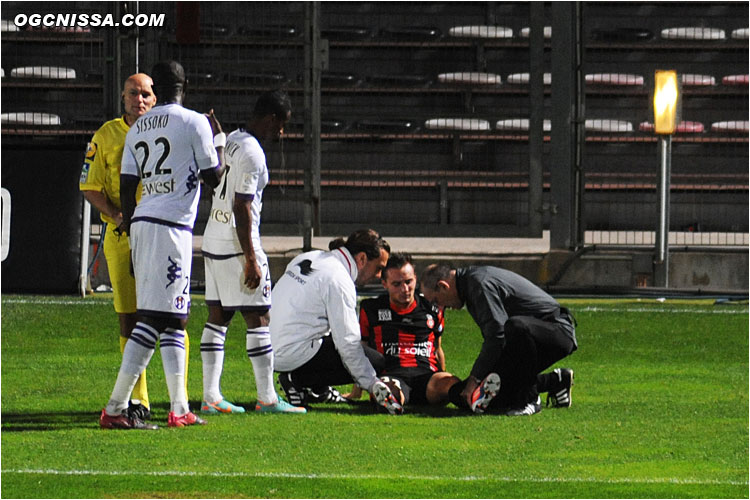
{"x": 666, "y": 96}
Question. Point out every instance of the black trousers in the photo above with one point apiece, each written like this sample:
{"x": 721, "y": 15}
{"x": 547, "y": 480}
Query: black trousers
{"x": 531, "y": 346}
{"x": 326, "y": 368}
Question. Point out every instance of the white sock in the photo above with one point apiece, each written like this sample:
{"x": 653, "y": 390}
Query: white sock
{"x": 260, "y": 352}
{"x": 135, "y": 358}
{"x": 172, "y": 348}
{"x": 212, "y": 355}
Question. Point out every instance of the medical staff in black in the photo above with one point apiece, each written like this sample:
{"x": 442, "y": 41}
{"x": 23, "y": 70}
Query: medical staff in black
{"x": 525, "y": 332}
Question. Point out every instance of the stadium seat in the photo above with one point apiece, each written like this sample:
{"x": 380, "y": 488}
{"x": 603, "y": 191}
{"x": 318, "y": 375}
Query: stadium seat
{"x": 684, "y": 127}
{"x": 693, "y": 33}
{"x": 523, "y": 78}
{"x": 735, "y": 80}
{"x": 30, "y": 119}
{"x": 520, "y": 125}
{"x": 480, "y": 31}
{"x": 693, "y": 80}
{"x": 462, "y": 124}
{"x": 525, "y": 32}
{"x": 731, "y": 127}
{"x": 44, "y": 72}
{"x": 6, "y": 25}
{"x": 471, "y": 78}
{"x": 613, "y": 79}
{"x": 607, "y": 125}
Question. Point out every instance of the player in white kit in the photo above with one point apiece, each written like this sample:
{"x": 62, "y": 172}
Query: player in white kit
{"x": 237, "y": 275}
{"x": 169, "y": 150}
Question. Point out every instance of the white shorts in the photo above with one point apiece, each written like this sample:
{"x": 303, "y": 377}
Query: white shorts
{"x": 225, "y": 285}
{"x": 162, "y": 261}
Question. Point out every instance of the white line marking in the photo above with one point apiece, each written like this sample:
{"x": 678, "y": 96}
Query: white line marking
{"x": 660, "y": 310}
{"x": 666, "y": 480}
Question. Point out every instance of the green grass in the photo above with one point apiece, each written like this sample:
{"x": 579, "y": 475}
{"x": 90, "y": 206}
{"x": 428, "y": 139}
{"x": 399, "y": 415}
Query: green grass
{"x": 660, "y": 411}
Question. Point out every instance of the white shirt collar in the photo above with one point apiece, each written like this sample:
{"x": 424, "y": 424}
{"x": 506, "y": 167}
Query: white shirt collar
{"x": 345, "y": 257}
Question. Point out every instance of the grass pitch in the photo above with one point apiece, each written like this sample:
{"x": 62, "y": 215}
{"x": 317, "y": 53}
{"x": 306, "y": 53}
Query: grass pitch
{"x": 660, "y": 410}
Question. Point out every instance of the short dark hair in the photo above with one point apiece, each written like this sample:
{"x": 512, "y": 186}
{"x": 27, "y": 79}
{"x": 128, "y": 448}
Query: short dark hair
{"x": 362, "y": 240}
{"x": 168, "y": 75}
{"x": 275, "y": 102}
{"x": 434, "y": 273}
{"x": 397, "y": 260}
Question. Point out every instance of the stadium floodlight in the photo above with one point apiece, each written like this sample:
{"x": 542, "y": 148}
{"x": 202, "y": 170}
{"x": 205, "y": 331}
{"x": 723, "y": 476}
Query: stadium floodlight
{"x": 666, "y": 101}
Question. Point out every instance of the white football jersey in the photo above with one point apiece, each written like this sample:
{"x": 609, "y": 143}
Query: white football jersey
{"x": 247, "y": 174}
{"x": 316, "y": 297}
{"x": 166, "y": 148}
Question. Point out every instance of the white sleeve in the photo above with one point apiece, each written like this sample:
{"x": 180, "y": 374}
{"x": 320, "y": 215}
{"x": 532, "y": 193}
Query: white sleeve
{"x": 203, "y": 144}
{"x": 341, "y": 305}
{"x": 249, "y": 169}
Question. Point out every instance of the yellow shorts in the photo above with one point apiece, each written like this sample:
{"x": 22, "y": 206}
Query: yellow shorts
{"x": 117, "y": 253}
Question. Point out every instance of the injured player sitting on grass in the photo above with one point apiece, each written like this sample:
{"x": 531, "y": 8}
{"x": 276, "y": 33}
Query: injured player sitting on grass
{"x": 406, "y": 330}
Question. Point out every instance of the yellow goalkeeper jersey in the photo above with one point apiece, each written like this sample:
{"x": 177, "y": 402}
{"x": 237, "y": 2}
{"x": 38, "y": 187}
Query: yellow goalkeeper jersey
{"x": 101, "y": 167}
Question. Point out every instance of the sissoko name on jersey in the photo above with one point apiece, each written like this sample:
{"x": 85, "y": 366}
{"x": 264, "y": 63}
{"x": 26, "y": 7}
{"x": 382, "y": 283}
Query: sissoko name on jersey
{"x": 407, "y": 338}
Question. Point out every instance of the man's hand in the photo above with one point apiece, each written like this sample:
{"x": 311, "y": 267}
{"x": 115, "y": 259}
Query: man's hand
{"x": 252, "y": 273}
{"x": 215, "y": 125}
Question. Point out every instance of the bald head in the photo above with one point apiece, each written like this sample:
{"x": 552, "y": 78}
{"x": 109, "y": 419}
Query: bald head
{"x": 137, "y": 96}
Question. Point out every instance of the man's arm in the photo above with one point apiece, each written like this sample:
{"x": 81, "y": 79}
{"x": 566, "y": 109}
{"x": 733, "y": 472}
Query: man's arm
{"x": 128, "y": 190}
{"x": 105, "y": 206}
{"x": 440, "y": 354}
{"x": 243, "y": 216}
{"x": 341, "y": 305}
{"x": 212, "y": 177}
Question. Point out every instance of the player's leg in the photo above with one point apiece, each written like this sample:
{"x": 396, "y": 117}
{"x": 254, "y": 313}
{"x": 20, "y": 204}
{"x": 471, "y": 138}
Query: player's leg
{"x": 554, "y": 342}
{"x": 438, "y": 387}
{"x": 170, "y": 255}
{"x": 136, "y": 356}
{"x": 212, "y": 342}
{"x": 117, "y": 254}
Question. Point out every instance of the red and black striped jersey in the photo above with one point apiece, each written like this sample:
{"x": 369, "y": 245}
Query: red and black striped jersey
{"x": 407, "y": 338}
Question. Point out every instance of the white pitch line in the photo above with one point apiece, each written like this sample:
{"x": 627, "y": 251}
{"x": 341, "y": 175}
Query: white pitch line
{"x": 285, "y": 475}
{"x": 659, "y": 310}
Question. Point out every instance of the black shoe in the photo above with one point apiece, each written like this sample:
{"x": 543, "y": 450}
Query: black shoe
{"x": 124, "y": 421}
{"x": 137, "y": 410}
{"x": 559, "y": 395}
{"x": 330, "y": 395}
{"x": 297, "y": 396}
{"x": 529, "y": 409}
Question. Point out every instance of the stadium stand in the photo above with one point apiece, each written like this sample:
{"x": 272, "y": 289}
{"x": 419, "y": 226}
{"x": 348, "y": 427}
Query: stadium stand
{"x": 413, "y": 101}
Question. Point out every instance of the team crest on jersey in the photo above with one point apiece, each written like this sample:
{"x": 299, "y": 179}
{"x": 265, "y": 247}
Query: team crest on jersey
{"x": 91, "y": 151}
{"x": 385, "y": 315}
{"x": 179, "y": 302}
{"x": 430, "y": 321}
{"x": 267, "y": 291}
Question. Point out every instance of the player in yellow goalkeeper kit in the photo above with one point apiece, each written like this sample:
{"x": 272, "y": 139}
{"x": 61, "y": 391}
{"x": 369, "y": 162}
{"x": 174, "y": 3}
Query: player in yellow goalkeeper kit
{"x": 100, "y": 184}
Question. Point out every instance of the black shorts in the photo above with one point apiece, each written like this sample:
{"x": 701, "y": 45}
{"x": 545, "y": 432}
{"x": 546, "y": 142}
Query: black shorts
{"x": 414, "y": 387}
